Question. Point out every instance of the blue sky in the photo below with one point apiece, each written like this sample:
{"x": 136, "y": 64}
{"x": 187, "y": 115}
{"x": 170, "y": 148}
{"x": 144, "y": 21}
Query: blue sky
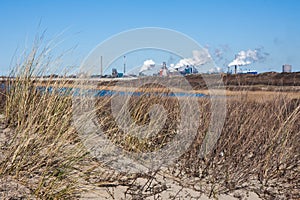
{"x": 231, "y": 26}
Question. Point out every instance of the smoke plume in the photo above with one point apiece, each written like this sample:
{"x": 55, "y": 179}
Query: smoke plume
{"x": 248, "y": 57}
{"x": 199, "y": 58}
{"x": 148, "y": 64}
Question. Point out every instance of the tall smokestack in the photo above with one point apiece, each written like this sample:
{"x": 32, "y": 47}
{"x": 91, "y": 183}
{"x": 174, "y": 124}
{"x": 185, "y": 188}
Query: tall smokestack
{"x": 101, "y": 67}
{"x": 164, "y": 65}
{"x": 124, "y": 64}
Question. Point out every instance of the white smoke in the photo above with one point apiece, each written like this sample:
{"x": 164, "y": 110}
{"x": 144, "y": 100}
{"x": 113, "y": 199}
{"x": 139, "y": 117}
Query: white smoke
{"x": 199, "y": 58}
{"x": 172, "y": 68}
{"x": 148, "y": 64}
{"x": 248, "y": 57}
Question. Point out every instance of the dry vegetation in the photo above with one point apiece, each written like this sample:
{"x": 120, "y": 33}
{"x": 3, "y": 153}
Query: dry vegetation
{"x": 42, "y": 149}
{"x": 258, "y": 149}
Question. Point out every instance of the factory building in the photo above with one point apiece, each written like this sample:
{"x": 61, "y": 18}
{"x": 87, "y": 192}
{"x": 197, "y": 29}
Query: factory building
{"x": 286, "y": 68}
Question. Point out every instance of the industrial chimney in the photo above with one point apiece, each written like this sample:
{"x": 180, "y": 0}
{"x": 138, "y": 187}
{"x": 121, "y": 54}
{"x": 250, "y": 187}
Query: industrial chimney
{"x": 124, "y": 70}
{"x": 101, "y": 67}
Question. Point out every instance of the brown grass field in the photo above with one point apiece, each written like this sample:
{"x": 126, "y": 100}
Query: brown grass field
{"x": 257, "y": 153}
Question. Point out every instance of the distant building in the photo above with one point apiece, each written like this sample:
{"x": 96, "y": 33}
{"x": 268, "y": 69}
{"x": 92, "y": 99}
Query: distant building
{"x": 287, "y": 68}
{"x": 114, "y": 73}
{"x": 249, "y": 72}
{"x": 164, "y": 70}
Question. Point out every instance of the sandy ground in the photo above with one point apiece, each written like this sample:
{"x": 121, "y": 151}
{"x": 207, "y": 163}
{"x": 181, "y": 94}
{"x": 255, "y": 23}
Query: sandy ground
{"x": 9, "y": 187}
{"x": 13, "y": 189}
{"x": 173, "y": 191}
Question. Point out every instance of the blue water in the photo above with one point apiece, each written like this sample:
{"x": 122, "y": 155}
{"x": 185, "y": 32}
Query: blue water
{"x": 102, "y": 93}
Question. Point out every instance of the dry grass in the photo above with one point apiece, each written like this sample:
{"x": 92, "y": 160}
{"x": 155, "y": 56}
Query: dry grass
{"x": 139, "y": 108}
{"x": 258, "y": 149}
{"x": 43, "y": 148}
